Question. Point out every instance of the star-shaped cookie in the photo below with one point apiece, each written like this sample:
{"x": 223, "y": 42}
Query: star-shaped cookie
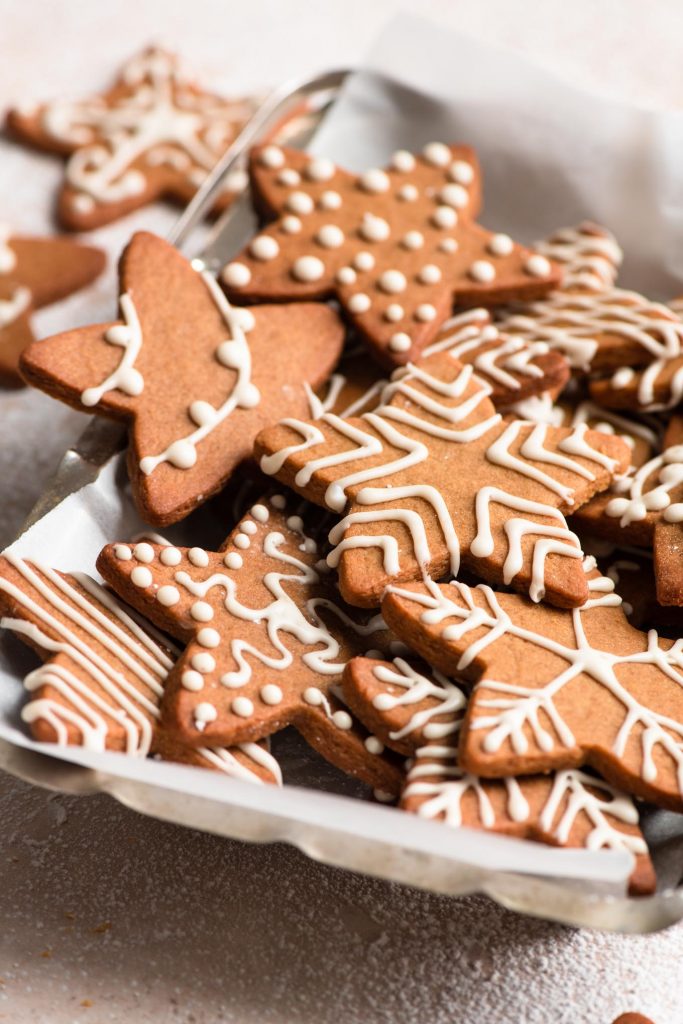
{"x": 397, "y": 247}
{"x": 102, "y": 682}
{"x": 194, "y": 377}
{"x": 434, "y": 478}
{"x": 267, "y": 638}
{"x": 555, "y": 688}
{"x": 417, "y": 711}
{"x": 155, "y": 133}
{"x": 36, "y": 272}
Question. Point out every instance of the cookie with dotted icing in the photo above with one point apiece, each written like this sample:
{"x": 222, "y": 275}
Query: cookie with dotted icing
{"x": 644, "y": 507}
{"x": 35, "y": 272}
{"x": 267, "y": 638}
{"x": 102, "y": 682}
{"x": 418, "y": 711}
{"x": 397, "y": 247}
{"x": 555, "y": 689}
{"x": 194, "y": 377}
{"x": 434, "y": 479}
{"x": 155, "y": 133}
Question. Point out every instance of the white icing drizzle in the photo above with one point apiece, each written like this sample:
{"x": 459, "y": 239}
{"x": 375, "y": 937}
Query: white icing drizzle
{"x": 8, "y": 259}
{"x": 134, "y": 693}
{"x": 589, "y": 254}
{"x": 573, "y": 795}
{"x": 234, "y": 354}
{"x": 572, "y": 322}
{"x": 20, "y": 299}
{"x": 225, "y": 761}
{"x": 494, "y": 356}
{"x": 638, "y": 499}
{"x": 435, "y": 775}
{"x": 440, "y": 420}
{"x": 162, "y": 118}
{"x": 126, "y": 377}
{"x": 448, "y": 699}
{"x": 516, "y": 707}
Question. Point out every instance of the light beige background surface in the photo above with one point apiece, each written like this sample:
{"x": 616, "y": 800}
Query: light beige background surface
{"x": 107, "y": 916}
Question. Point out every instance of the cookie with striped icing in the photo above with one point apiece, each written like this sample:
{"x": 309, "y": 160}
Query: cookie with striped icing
{"x": 102, "y": 682}
{"x": 433, "y": 479}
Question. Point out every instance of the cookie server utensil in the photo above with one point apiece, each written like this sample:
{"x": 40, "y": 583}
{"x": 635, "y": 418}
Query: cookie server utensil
{"x": 583, "y": 888}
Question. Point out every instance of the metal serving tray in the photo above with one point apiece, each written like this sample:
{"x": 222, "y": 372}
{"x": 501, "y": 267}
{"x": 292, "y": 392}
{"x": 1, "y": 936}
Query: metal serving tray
{"x": 324, "y": 814}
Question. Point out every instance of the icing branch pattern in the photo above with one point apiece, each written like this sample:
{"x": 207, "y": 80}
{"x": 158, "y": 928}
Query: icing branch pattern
{"x": 383, "y": 472}
{"x": 571, "y": 808}
{"x": 579, "y": 658}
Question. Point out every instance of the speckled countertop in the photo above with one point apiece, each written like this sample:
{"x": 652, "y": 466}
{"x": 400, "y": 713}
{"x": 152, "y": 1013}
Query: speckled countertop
{"x": 109, "y": 916}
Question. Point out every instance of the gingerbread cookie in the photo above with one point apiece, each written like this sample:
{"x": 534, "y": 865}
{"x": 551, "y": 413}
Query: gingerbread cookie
{"x": 397, "y": 247}
{"x": 434, "y": 478}
{"x": 657, "y": 388}
{"x": 36, "y": 272}
{"x": 155, "y": 133}
{"x": 102, "y": 683}
{"x": 589, "y": 255}
{"x": 195, "y": 377}
{"x": 267, "y": 638}
{"x": 567, "y": 808}
{"x": 555, "y": 689}
{"x": 598, "y": 327}
{"x": 645, "y": 508}
{"x": 418, "y": 711}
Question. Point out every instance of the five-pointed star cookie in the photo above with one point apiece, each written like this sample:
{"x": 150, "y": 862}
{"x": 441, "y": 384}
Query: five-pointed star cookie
{"x": 555, "y": 688}
{"x": 416, "y": 710}
{"x": 397, "y": 247}
{"x": 194, "y": 377}
{"x": 154, "y": 133}
{"x": 36, "y": 272}
{"x": 267, "y": 638}
{"x": 102, "y": 682}
{"x": 434, "y": 478}
{"x": 645, "y": 508}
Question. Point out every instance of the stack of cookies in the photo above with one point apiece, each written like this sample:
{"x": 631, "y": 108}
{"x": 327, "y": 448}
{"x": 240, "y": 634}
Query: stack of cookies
{"x": 457, "y": 466}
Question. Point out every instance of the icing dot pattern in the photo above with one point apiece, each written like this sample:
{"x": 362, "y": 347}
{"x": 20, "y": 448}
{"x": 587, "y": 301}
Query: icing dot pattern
{"x": 359, "y": 236}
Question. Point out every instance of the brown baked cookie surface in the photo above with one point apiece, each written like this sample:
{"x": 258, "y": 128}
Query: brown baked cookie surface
{"x": 36, "y": 272}
{"x": 155, "y": 133}
{"x": 397, "y": 247}
{"x": 194, "y": 377}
